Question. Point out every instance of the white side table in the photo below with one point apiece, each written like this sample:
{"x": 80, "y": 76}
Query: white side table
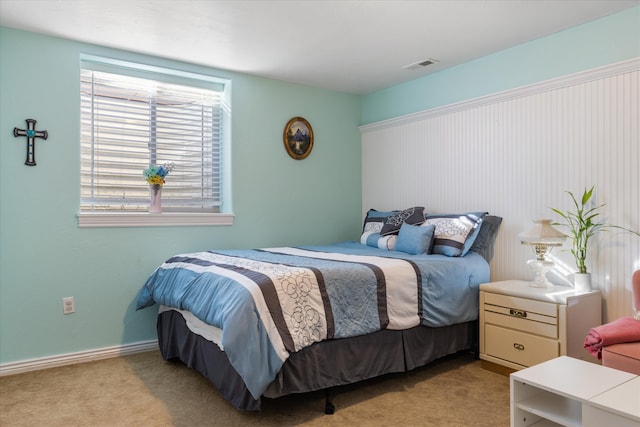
{"x": 567, "y": 391}
{"x": 521, "y": 325}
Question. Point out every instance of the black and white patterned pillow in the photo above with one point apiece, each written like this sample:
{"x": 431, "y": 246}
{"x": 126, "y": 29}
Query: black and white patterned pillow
{"x": 412, "y": 216}
{"x": 374, "y": 220}
{"x": 373, "y": 223}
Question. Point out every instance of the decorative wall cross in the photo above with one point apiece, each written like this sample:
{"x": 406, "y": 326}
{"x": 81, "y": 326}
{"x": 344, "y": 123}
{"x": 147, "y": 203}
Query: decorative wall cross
{"x": 31, "y": 134}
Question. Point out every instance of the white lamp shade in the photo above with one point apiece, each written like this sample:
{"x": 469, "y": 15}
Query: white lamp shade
{"x": 542, "y": 232}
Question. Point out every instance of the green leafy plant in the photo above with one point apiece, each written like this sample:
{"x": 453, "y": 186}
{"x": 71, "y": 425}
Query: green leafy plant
{"x": 582, "y": 225}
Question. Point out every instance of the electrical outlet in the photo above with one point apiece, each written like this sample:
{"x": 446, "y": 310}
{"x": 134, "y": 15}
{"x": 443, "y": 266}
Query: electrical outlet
{"x": 68, "y": 305}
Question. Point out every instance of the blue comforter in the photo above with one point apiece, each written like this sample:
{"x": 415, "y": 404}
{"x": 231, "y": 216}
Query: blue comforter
{"x": 272, "y": 302}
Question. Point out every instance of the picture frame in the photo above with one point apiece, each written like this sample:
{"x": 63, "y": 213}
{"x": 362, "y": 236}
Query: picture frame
{"x": 298, "y": 138}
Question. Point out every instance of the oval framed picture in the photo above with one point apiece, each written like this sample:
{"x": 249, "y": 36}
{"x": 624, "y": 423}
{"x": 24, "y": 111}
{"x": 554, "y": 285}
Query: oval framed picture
{"x": 298, "y": 138}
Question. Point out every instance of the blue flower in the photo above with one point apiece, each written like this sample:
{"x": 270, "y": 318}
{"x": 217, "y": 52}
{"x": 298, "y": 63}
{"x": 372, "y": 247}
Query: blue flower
{"x": 155, "y": 174}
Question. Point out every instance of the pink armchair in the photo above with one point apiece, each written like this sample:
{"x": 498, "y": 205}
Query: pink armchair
{"x": 618, "y": 343}
{"x": 635, "y": 288}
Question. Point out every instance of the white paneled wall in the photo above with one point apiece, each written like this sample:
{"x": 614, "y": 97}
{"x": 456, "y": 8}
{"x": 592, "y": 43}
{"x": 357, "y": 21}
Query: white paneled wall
{"x": 515, "y": 154}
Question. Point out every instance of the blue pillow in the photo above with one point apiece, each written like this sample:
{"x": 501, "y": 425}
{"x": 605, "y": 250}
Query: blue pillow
{"x": 415, "y": 239}
{"x": 453, "y": 231}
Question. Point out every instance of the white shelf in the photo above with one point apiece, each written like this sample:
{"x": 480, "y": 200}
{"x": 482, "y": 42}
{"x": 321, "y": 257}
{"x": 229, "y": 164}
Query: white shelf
{"x": 560, "y": 410}
{"x": 546, "y": 423}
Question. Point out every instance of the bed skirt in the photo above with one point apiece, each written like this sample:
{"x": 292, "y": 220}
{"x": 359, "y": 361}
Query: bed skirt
{"x": 320, "y": 366}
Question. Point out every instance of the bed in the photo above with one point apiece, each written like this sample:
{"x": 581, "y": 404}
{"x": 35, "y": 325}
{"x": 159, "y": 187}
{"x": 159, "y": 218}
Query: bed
{"x": 275, "y": 321}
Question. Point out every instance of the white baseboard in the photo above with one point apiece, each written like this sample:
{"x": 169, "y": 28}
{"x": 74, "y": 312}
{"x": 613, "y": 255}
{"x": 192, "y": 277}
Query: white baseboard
{"x": 79, "y": 357}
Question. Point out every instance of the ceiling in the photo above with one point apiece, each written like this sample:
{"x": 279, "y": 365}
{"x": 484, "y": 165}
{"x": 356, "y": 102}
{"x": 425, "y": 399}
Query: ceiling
{"x": 349, "y": 46}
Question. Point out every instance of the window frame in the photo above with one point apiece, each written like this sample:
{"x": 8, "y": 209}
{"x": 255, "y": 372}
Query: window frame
{"x": 168, "y": 218}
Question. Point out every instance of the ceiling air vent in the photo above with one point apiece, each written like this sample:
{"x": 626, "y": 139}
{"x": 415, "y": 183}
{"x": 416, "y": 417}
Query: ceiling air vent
{"x": 420, "y": 64}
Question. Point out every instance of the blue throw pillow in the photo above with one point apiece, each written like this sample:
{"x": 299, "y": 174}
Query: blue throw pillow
{"x": 415, "y": 239}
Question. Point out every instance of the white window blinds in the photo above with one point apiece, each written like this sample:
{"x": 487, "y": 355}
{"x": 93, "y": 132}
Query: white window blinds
{"x": 129, "y": 123}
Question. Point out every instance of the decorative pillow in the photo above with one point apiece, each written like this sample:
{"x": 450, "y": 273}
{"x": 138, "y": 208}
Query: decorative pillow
{"x": 474, "y": 234}
{"x": 375, "y": 220}
{"x": 453, "y": 230}
{"x": 392, "y": 224}
{"x": 483, "y": 244}
{"x": 375, "y": 240}
{"x": 415, "y": 239}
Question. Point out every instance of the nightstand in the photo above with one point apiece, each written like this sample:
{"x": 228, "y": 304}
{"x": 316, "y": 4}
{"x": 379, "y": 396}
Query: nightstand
{"x": 521, "y": 325}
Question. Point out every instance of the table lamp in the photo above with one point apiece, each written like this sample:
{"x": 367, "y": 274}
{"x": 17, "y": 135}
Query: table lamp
{"x": 542, "y": 237}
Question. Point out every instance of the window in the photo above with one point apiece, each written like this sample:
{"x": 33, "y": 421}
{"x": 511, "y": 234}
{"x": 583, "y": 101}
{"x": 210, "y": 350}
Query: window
{"x": 133, "y": 116}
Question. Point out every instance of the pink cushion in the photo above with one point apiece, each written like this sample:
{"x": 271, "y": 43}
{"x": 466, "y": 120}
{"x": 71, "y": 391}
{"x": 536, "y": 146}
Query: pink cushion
{"x": 625, "y": 357}
{"x": 623, "y": 330}
{"x": 635, "y": 290}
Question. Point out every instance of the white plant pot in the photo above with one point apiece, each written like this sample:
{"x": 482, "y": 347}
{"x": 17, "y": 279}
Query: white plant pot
{"x": 582, "y": 282}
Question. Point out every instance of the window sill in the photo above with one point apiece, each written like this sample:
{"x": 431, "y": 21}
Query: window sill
{"x": 144, "y": 219}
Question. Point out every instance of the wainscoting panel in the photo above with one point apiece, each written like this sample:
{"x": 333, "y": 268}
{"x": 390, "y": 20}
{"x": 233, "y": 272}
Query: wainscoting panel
{"x": 516, "y": 154}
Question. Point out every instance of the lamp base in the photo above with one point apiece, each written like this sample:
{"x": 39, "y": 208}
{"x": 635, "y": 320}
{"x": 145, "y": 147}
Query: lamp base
{"x": 540, "y": 268}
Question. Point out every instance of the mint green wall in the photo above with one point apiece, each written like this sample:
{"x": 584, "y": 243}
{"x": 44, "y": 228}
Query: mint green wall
{"x": 44, "y": 256}
{"x": 605, "y": 41}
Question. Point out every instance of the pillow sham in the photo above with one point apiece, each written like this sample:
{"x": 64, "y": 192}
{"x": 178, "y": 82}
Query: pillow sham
{"x": 453, "y": 230}
{"x": 375, "y": 240}
{"x": 473, "y": 236}
{"x": 486, "y": 239}
{"x": 413, "y": 216}
{"x": 415, "y": 239}
{"x": 375, "y": 220}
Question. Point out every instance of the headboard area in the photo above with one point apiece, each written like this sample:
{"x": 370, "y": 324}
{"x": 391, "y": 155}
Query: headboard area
{"x": 416, "y": 232}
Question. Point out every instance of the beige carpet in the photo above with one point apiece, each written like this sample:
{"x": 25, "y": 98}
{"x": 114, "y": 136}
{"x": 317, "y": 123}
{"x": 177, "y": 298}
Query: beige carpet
{"x": 143, "y": 390}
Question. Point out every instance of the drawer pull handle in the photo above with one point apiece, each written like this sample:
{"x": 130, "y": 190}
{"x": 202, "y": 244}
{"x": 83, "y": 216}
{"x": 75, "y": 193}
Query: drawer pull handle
{"x": 518, "y": 346}
{"x": 518, "y": 313}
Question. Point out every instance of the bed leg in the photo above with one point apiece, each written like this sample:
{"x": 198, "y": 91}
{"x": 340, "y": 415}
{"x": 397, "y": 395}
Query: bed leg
{"x": 329, "y": 409}
{"x": 475, "y": 345}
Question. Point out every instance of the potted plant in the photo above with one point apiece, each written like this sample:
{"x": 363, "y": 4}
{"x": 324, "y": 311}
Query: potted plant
{"x": 582, "y": 225}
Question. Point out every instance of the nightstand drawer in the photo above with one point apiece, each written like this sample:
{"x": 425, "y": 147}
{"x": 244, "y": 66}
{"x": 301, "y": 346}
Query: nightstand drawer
{"x": 527, "y": 305}
{"x": 518, "y": 347}
{"x": 532, "y": 323}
